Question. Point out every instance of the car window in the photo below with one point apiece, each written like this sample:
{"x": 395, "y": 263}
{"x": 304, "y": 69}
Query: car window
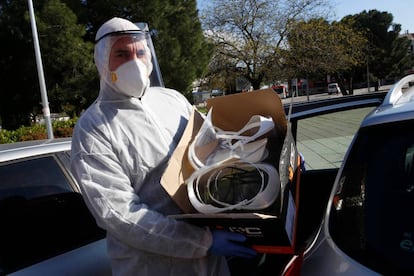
{"x": 371, "y": 216}
{"x": 41, "y": 215}
{"x": 32, "y": 178}
{"x": 323, "y": 140}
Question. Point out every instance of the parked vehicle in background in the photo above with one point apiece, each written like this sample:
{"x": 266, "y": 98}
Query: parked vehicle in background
{"x": 333, "y": 88}
{"x": 367, "y": 228}
{"x": 216, "y": 93}
{"x": 46, "y": 228}
{"x": 281, "y": 90}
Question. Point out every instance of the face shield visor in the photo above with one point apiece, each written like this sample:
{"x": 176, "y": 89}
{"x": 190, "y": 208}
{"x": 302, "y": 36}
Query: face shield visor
{"x": 233, "y": 186}
{"x": 123, "y": 60}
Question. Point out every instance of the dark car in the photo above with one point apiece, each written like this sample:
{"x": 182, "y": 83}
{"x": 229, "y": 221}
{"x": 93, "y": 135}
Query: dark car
{"x": 367, "y": 227}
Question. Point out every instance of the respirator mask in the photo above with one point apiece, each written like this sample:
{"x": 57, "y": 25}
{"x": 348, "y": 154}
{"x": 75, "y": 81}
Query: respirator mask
{"x": 131, "y": 78}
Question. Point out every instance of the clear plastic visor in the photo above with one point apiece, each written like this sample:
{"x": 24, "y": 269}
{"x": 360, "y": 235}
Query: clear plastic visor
{"x": 127, "y": 47}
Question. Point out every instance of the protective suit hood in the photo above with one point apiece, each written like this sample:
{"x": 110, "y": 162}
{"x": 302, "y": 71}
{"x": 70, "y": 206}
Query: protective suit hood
{"x": 105, "y": 38}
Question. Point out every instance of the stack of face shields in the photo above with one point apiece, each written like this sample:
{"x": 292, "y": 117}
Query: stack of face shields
{"x": 213, "y": 145}
{"x": 229, "y": 172}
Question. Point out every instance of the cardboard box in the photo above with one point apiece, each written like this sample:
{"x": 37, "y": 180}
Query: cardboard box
{"x": 271, "y": 230}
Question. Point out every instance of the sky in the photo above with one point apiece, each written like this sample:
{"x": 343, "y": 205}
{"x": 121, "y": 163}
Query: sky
{"x": 402, "y": 10}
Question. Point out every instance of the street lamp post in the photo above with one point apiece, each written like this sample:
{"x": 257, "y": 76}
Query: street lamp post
{"x": 43, "y": 93}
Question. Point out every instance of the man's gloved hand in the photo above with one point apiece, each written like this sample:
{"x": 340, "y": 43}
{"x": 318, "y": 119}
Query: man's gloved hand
{"x": 230, "y": 244}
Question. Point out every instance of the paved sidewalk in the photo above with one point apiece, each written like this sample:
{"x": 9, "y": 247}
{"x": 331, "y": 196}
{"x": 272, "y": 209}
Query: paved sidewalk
{"x": 324, "y": 140}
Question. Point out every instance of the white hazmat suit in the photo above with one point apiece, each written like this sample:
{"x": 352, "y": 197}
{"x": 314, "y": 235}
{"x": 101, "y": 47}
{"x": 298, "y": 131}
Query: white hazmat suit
{"x": 120, "y": 148}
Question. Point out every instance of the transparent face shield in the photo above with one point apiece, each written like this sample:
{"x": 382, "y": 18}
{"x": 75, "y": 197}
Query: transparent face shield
{"x": 156, "y": 76}
{"x": 119, "y": 26}
{"x": 233, "y": 186}
{"x": 127, "y": 46}
{"x": 113, "y": 51}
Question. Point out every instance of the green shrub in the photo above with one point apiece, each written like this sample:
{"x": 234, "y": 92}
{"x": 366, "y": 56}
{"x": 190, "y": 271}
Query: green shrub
{"x": 63, "y": 128}
{"x": 37, "y": 132}
{"x": 7, "y": 136}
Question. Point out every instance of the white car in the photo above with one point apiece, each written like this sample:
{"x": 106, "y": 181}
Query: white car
{"x": 333, "y": 88}
{"x": 368, "y": 227}
{"x": 46, "y": 228}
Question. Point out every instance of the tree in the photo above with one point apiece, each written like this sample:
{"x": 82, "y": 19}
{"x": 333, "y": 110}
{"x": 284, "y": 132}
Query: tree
{"x": 251, "y": 34}
{"x": 66, "y": 42}
{"x": 182, "y": 51}
{"x": 17, "y": 67}
{"x": 317, "y": 48}
{"x": 68, "y": 59}
{"x": 402, "y": 62}
{"x": 386, "y": 51}
{"x": 64, "y": 56}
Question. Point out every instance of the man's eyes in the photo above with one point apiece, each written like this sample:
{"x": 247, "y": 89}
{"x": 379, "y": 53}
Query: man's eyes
{"x": 141, "y": 53}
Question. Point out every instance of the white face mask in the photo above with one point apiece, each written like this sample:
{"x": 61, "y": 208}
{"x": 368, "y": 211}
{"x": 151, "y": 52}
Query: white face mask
{"x": 131, "y": 78}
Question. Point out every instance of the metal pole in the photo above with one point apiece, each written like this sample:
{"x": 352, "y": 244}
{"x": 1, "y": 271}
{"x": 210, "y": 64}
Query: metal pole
{"x": 43, "y": 93}
{"x": 368, "y": 84}
{"x": 297, "y": 91}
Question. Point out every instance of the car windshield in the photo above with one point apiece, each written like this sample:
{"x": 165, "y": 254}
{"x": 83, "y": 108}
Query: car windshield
{"x": 371, "y": 215}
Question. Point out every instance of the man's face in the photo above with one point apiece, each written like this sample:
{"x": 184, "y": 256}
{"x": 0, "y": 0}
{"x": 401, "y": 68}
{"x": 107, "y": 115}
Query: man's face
{"x": 125, "y": 49}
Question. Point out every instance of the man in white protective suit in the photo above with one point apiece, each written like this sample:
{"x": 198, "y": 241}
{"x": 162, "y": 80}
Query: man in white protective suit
{"x": 120, "y": 148}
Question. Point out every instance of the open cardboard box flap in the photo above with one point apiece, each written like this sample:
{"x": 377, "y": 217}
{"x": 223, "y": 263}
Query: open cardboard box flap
{"x": 230, "y": 112}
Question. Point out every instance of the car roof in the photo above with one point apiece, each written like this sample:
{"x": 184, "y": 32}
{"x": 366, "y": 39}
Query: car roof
{"x": 19, "y": 150}
{"x": 398, "y": 105}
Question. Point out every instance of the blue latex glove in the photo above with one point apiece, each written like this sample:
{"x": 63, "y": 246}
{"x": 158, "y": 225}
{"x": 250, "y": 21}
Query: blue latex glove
{"x": 230, "y": 244}
{"x": 302, "y": 162}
